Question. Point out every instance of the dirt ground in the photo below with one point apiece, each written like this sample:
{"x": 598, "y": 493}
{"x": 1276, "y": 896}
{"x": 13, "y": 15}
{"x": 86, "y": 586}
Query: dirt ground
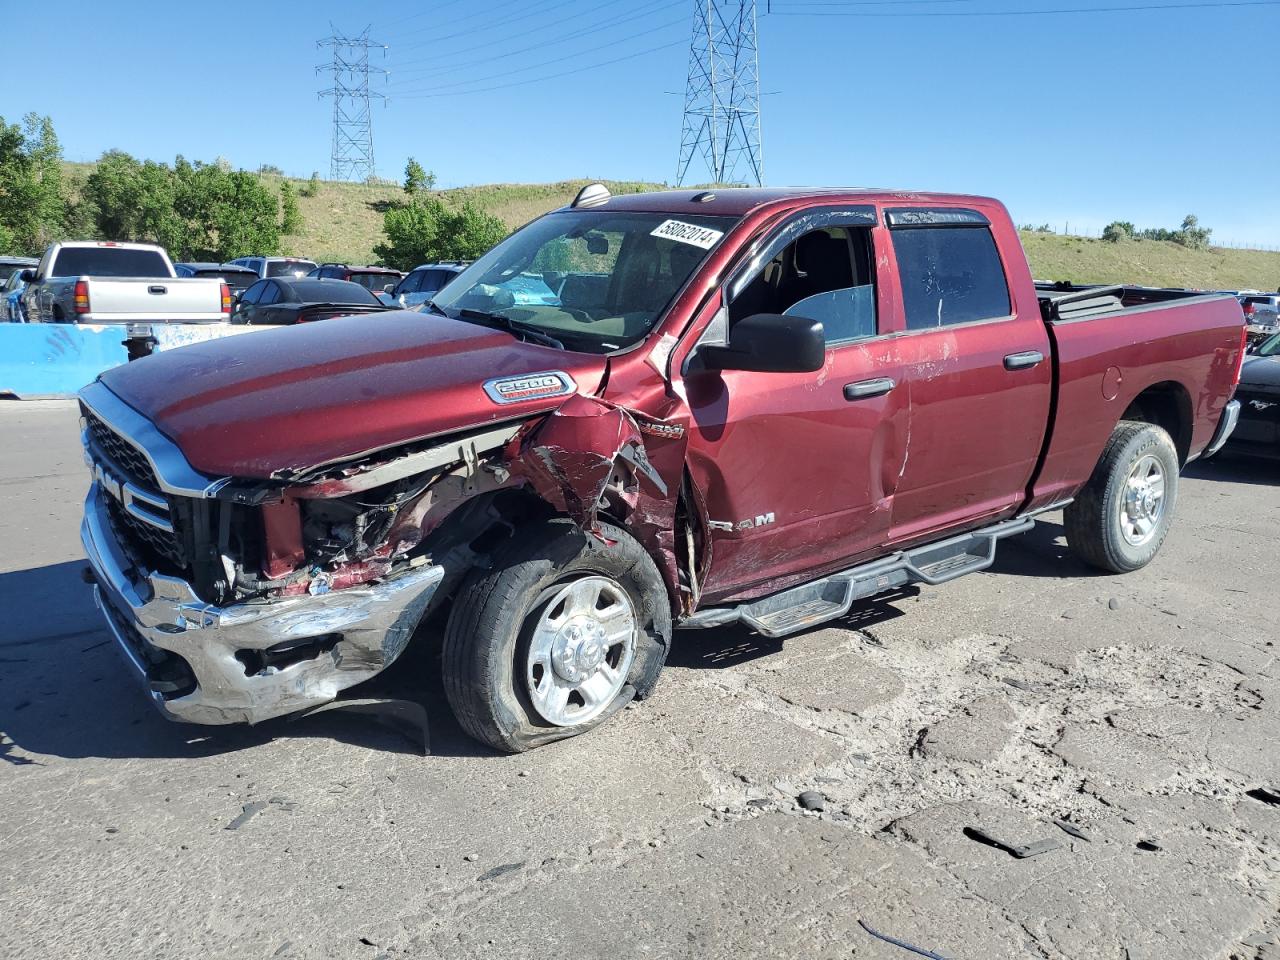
{"x": 1142, "y": 713}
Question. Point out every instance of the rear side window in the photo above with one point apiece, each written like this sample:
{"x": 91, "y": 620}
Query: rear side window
{"x": 950, "y": 275}
{"x": 108, "y": 262}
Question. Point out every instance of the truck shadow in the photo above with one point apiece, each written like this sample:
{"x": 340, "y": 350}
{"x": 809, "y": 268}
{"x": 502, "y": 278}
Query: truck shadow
{"x": 66, "y": 692}
{"x": 1040, "y": 552}
{"x": 729, "y": 646}
{"x": 1235, "y": 468}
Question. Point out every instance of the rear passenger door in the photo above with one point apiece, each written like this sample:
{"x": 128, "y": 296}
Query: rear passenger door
{"x": 978, "y": 368}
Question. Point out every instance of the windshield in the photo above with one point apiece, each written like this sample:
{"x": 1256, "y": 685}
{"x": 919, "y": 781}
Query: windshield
{"x": 595, "y": 280}
{"x": 374, "y": 281}
{"x": 331, "y": 291}
{"x": 108, "y": 262}
{"x": 289, "y": 268}
{"x": 1269, "y": 347}
{"x": 236, "y": 279}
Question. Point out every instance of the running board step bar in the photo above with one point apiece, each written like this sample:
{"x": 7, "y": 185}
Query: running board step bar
{"x": 809, "y": 604}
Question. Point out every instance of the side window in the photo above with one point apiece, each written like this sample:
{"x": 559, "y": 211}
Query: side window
{"x": 410, "y": 283}
{"x": 827, "y": 275}
{"x": 270, "y": 294}
{"x": 254, "y": 292}
{"x": 432, "y": 280}
{"x": 950, "y": 275}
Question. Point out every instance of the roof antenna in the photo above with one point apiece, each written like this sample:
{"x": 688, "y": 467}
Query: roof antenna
{"x": 592, "y": 195}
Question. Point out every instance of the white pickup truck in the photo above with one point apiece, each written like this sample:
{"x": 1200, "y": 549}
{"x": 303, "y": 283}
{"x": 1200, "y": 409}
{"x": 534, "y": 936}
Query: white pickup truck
{"x": 106, "y": 282}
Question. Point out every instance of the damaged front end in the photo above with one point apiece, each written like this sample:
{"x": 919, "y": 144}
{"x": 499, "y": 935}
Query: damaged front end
{"x": 237, "y": 601}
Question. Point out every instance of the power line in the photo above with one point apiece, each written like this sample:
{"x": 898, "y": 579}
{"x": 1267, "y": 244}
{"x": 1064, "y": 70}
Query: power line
{"x": 552, "y": 76}
{"x": 1024, "y": 13}
{"x": 453, "y": 52}
{"x": 722, "y": 94}
{"x": 544, "y": 63}
{"x": 351, "y": 156}
{"x": 487, "y": 13}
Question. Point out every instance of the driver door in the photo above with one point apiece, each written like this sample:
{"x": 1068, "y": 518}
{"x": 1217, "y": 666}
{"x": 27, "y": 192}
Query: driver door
{"x": 797, "y": 471}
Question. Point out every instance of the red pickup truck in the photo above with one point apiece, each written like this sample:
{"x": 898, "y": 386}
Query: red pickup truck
{"x": 677, "y": 409}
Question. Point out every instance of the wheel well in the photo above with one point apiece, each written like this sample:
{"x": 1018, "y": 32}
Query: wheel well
{"x": 1166, "y": 405}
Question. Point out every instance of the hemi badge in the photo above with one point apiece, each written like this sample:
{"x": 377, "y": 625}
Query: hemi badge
{"x": 531, "y": 386}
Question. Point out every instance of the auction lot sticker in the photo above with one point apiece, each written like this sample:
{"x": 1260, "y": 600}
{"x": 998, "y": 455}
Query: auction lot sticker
{"x": 690, "y": 233}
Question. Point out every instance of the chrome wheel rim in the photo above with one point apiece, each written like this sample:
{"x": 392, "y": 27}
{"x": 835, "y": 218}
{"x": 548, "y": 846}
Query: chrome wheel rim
{"x": 581, "y": 651}
{"x": 1142, "y": 501}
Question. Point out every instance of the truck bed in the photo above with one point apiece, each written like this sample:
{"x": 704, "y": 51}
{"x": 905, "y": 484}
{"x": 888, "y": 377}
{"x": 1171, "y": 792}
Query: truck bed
{"x": 1069, "y": 301}
{"x": 1112, "y": 343}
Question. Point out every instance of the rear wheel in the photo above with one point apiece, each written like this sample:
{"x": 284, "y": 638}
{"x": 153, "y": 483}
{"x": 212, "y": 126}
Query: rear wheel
{"x": 562, "y": 632}
{"x": 1121, "y": 517}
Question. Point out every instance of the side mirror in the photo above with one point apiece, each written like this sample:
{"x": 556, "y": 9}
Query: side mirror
{"x": 770, "y": 343}
{"x": 27, "y": 276}
{"x": 388, "y": 288}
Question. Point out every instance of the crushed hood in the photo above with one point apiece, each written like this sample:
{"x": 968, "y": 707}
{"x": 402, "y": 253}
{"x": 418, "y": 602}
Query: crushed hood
{"x": 297, "y": 397}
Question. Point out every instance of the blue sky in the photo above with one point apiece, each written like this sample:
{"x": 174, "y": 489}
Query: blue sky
{"x": 1080, "y": 118}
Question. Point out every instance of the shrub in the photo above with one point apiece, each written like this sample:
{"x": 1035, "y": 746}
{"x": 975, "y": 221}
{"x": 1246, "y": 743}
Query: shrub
{"x": 426, "y": 230}
{"x": 1118, "y": 230}
{"x": 416, "y": 179}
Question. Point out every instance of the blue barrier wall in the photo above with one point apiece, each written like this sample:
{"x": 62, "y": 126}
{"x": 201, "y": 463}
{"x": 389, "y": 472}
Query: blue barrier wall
{"x": 56, "y": 359}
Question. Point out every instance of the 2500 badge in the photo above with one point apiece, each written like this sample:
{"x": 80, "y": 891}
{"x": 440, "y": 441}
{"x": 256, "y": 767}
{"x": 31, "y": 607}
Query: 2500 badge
{"x": 531, "y": 386}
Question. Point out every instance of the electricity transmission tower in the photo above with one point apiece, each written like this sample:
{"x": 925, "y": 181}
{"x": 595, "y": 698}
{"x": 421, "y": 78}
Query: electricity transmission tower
{"x": 352, "y": 155}
{"x": 722, "y": 95}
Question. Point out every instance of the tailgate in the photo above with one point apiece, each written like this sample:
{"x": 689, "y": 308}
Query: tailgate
{"x": 156, "y": 300}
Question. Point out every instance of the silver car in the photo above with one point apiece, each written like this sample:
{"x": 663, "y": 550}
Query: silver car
{"x": 1261, "y": 311}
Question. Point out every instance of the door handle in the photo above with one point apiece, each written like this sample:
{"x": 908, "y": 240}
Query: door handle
{"x": 868, "y": 388}
{"x": 1024, "y": 360}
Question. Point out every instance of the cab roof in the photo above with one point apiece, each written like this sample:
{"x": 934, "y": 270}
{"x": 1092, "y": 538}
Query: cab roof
{"x": 738, "y": 201}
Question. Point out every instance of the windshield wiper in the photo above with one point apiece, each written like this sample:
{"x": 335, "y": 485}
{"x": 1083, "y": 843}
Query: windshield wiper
{"x": 514, "y": 327}
{"x": 436, "y": 308}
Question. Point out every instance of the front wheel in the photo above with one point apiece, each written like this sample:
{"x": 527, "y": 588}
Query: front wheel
{"x": 1121, "y": 517}
{"x": 562, "y": 632}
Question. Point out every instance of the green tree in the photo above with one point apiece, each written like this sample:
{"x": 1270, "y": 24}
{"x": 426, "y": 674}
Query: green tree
{"x": 1118, "y": 230}
{"x": 426, "y": 230}
{"x": 32, "y": 202}
{"x": 135, "y": 200}
{"x": 290, "y": 216}
{"x": 1191, "y": 234}
{"x": 312, "y": 186}
{"x": 416, "y": 179}
{"x": 226, "y": 213}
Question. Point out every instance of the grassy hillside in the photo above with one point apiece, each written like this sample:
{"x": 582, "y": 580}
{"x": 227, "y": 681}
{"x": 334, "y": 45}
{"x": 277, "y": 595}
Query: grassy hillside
{"x": 1152, "y": 262}
{"x": 343, "y": 222}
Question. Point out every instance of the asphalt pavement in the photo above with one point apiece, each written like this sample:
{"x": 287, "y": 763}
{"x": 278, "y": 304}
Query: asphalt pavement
{"x": 1034, "y": 761}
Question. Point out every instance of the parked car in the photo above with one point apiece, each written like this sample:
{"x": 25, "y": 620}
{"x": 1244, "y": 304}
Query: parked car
{"x": 277, "y": 266}
{"x": 1262, "y": 311}
{"x": 787, "y": 401}
{"x": 282, "y": 301}
{"x": 11, "y": 287}
{"x": 1259, "y": 396}
{"x": 373, "y": 279}
{"x": 421, "y": 283}
{"x": 106, "y": 282}
{"x": 10, "y": 263}
{"x": 238, "y": 278}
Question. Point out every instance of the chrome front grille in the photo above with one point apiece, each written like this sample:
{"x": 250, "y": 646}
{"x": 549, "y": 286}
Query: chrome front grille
{"x": 141, "y": 515}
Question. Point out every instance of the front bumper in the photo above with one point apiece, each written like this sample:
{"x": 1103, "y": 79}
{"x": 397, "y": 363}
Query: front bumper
{"x": 185, "y": 650}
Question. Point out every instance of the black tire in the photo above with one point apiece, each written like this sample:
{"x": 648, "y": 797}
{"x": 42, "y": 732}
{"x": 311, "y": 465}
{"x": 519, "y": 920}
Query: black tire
{"x": 493, "y": 614}
{"x": 1093, "y": 521}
